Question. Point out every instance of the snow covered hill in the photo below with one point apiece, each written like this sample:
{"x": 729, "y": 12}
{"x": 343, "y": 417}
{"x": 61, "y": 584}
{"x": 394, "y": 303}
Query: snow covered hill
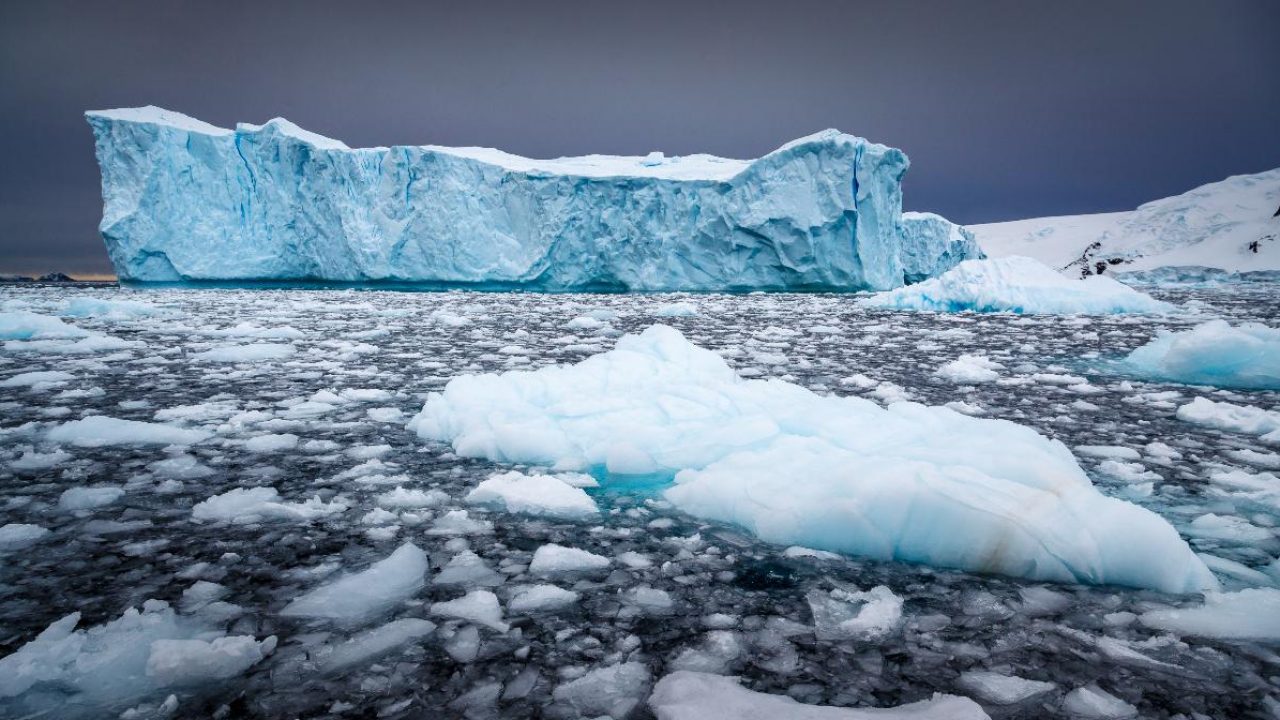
{"x": 1230, "y": 225}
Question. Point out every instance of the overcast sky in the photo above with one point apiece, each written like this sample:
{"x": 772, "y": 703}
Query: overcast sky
{"x": 1007, "y": 109}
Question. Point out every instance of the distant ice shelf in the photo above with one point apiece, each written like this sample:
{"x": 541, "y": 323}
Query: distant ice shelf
{"x": 187, "y": 201}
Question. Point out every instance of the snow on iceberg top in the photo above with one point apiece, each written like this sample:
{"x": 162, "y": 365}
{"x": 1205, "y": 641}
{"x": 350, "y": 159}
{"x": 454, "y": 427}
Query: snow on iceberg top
{"x": 1018, "y": 285}
{"x": 654, "y": 165}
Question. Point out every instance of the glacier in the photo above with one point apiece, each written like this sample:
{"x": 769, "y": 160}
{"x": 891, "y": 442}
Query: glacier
{"x": 908, "y": 482}
{"x": 188, "y": 201}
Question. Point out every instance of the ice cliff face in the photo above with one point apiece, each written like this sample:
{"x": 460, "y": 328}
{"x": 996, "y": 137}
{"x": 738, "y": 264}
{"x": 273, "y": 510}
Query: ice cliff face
{"x": 185, "y": 200}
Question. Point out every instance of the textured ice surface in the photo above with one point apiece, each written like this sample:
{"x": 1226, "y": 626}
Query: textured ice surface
{"x": 718, "y": 578}
{"x": 1214, "y": 353}
{"x": 908, "y": 483}
{"x": 1226, "y": 225}
{"x": 688, "y": 695}
{"x": 1252, "y": 614}
{"x": 1017, "y": 285}
{"x": 188, "y": 201}
{"x": 1002, "y": 689}
{"x": 533, "y": 494}
{"x": 364, "y": 594}
{"x": 99, "y": 430}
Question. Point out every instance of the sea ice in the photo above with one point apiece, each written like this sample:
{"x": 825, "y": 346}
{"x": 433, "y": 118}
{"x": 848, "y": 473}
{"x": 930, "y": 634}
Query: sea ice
{"x": 1234, "y": 418}
{"x": 100, "y": 430}
{"x": 1093, "y": 703}
{"x": 477, "y": 606}
{"x": 554, "y": 559}
{"x": 1251, "y": 614}
{"x": 1245, "y": 356}
{"x": 1016, "y": 285}
{"x": 909, "y": 483}
{"x": 187, "y": 662}
{"x": 250, "y": 505}
{"x": 359, "y": 596}
{"x": 1002, "y": 689}
{"x": 533, "y": 494}
{"x": 612, "y": 691}
{"x": 26, "y": 325}
{"x": 685, "y": 695}
{"x": 845, "y": 615}
{"x": 969, "y": 370}
{"x": 541, "y": 598}
{"x": 88, "y": 498}
{"x": 372, "y": 644}
{"x": 257, "y": 352}
{"x": 15, "y": 536}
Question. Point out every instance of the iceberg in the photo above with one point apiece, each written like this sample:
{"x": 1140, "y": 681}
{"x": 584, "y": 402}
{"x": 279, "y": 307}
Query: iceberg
{"x": 1215, "y": 353}
{"x": 908, "y": 482}
{"x": 1016, "y": 285}
{"x": 187, "y": 201}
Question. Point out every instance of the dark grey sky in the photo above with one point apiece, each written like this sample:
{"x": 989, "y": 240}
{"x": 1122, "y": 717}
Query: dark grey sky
{"x": 1007, "y": 109}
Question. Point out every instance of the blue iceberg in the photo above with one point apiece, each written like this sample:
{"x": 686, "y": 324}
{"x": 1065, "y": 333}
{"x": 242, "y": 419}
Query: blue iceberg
{"x": 1244, "y": 357}
{"x": 188, "y": 201}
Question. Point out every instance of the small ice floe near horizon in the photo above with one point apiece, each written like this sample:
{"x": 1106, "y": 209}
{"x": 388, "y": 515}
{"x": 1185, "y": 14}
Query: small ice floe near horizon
{"x": 736, "y": 446}
{"x": 1217, "y": 353}
{"x": 1016, "y": 285}
{"x": 686, "y": 695}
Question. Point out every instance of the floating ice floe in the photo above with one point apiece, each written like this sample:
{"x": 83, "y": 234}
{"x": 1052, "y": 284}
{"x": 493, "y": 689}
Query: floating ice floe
{"x": 552, "y": 559}
{"x": 64, "y": 672}
{"x": 1215, "y": 353}
{"x": 685, "y": 695}
{"x": 1252, "y": 614}
{"x": 612, "y": 691}
{"x": 15, "y": 536}
{"x": 359, "y": 596}
{"x": 541, "y": 598}
{"x": 533, "y": 494}
{"x": 1016, "y": 285}
{"x": 251, "y": 505}
{"x": 26, "y": 325}
{"x": 257, "y": 352}
{"x": 100, "y": 430}
{"x": 844, "y": 615}
{"x": 105, "y": 309}
{"x": 1244, "y": 419}
{"x": 969, "y": 370}
{"x": 1002, "y": 689}
{"x": 910, "y": 482}
{"x": 1093, "y": 703}
{"x": 87, "y": 498}
{"x": 477, "y": 606}
{"x": 372, "y": 644}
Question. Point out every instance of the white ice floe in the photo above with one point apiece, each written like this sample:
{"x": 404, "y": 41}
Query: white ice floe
{"x": 1016, "y": 285}
{"x": 533, "y": 494}
{"x": 969, "y": 370}
{"x": 411, "y": 499}
{"x": 100, "y": 430}
{"x": 372, "y": 644}
{"x": 1214, "y": 353}
{"x": 1245, "y": 419}
{"x": 612, "y": 691}
{"x": 105, "y": 309}
{"x": 15, "y": 536}
{"x": 1093, "y": 703}
{"x": 193, "y": 661}
{"x": 38, "y": 378}
{"x": 32, "y": 461}
{"x": 64, "y": 672}
{"x": 271, "y": 443}
{"x": 908, "y": 482}
{"x": 685, "y": 695}
{"x": 87, "y": 498}
{"x": 257, "y": 352}
{"x": 552, "y": 559}
{"x": 362, "y": 595}
{"x": 846, "y": 615}
{"x": 478, "y": 606}
{"x": 677, "y": 309}
{"x": 1252, "y": 614}
{"x": 459, "y": 522}
{"x": 469, "y": 569}
{"x": 541, "y": 598}
{"x": 26, "y": 325}
{"x": 250, "y": 505}
{"x": 1002, "y": 689}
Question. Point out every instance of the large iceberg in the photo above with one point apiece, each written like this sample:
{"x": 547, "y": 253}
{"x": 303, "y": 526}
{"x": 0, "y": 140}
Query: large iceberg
{"x": 911, "y": 483}
{"x": 188, "y": 201}
{"x": 1017, "y": 285}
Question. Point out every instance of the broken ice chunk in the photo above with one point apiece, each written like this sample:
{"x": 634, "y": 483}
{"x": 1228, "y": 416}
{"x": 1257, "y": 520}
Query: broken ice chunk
{"x": 361, "y": 595}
